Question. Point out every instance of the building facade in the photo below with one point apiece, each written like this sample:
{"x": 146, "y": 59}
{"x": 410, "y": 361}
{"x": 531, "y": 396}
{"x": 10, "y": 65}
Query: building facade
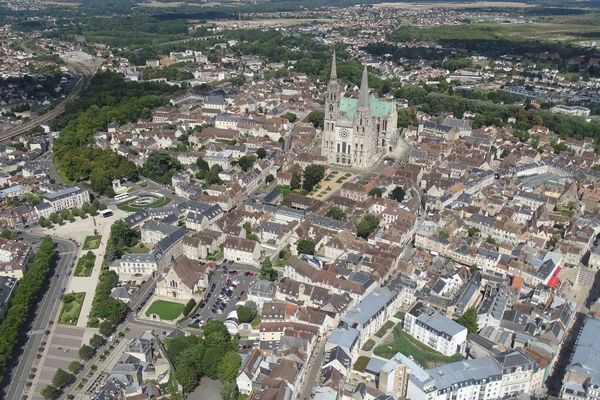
{"x": 357, "y": 132}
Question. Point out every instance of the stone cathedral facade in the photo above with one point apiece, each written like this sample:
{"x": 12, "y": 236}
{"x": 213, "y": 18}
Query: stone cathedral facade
{"x": 357, "y": 132}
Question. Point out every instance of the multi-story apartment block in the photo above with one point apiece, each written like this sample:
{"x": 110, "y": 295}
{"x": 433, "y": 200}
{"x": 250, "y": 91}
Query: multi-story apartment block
{"x": 63, "y": 199}
{"x": 435, "y": 330}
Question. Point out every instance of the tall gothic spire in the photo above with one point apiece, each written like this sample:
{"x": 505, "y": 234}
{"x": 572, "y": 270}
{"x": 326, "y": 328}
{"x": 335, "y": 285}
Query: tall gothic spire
{"x": 363, "y": 97}
{"x": 333, "y": 68}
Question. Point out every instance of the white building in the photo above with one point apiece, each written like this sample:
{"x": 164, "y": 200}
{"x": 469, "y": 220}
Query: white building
{"x": 435, "y": 330}
{"x": 240, "y": 250}
{"x": 63, "y": 199}
{"x": 577, "y": 111}
{"x": 372, "y": 312}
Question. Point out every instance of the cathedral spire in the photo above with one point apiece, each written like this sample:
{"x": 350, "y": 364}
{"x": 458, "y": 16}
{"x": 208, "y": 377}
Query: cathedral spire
{"x": 363, "y": 97}
{"x": 333, "y": 68}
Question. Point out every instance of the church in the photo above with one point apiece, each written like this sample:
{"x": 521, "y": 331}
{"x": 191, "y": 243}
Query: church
{"x": 357, "y": 132}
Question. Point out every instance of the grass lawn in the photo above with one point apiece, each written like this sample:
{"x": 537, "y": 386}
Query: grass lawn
{"x": 72, "y": 303}
{"x": 409, "y": 346}
{"x": 128, "y": 205}
{"x": 386, "y": 327}
{"x": 138, "y": 249}
{"x": 368, "y": 346}
{"x": 361, "y": 363}
{"x": 85, "y": 265}
{"x": 255, "y": 322}
{"x": 166, "y": 310}
{"x": 400, "y": 315}
{"x": 92, "y": 242}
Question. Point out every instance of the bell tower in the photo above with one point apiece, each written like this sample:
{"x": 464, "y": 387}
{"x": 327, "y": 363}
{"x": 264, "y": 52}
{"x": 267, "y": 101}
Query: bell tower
{"x": 332, "y": 108}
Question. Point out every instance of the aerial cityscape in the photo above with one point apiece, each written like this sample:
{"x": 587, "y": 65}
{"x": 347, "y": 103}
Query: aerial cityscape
{"x": 299, "y": 199}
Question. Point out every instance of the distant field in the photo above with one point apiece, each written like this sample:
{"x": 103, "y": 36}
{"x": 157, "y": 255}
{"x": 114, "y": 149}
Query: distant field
{"x": 476, "y": 4}
{"x": 558, "y": 29}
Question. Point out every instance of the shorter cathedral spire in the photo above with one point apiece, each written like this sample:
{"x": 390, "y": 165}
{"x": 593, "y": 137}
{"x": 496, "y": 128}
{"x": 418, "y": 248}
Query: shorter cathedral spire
{"x": 363, "y": 97}
{"x": 333, "y": 68}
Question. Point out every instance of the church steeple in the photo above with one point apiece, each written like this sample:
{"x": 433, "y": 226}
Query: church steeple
{"x": 333, "y": 75}
{"x": 363, "y": 97}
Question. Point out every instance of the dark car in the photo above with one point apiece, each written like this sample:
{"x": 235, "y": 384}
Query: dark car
{"x": 202, "y": 304}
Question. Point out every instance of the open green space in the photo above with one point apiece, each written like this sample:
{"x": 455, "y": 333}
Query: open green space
{"x": 72, "y": 303}
{"x": 386, "y": 327}
{"x": 361, "y": 363}
{"x": 138, "y": 249}
{"x": 369, "y": 344}
{"x": 85, "y": 265}
{"x": 166, "y": 310}
{"x": 129, "y": 206}
{"x": 92, "y": 242}
{"x": 409, "y": 346}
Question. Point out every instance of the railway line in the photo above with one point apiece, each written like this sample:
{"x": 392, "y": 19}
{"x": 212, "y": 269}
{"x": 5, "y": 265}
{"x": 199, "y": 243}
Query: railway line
{"x": 86, "y": 72}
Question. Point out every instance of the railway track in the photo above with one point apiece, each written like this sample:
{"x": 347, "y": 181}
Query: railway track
{"x": 86, "y": 73}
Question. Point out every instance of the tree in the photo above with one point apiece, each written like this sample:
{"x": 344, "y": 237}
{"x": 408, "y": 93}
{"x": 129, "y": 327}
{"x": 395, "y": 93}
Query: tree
{"x": 306, "y": 247}
{"x": 376, "y": 192}
{"x": 202, "y": 165}
{"x": 367, "y": 226}
{"x": 187, "y": 378}
{"x": 62, "y": 378}
{"x": 246, "y": 162}
{"x": 189, "y": 307}
{"x": 160, "y": 167}
{"x": 266, "y": 270}
{"x": 469, "y": 320}
{"x": 398, "y": 194}
{"x": 229, "y": 391}
{"x": 295, "y": 181}
{"x": 473, "y": 232}
{"x": 336, "y": 213}
{"x": 261, "y": 153}
{"x": 316, "y": 118}
{"x": 290, "y": 117}
{"x": 270, "y": 178}
{"x": 75, "y": 367}
{"x": 106, "y": 328}
{"x": 312, "y": 176}
{"x": 43, "y": 222}
{"x": 50, "y": 392}
{"x": 97, "y": 341}
{"x": 229, "y": 366}
{"x": 245, "y": 314}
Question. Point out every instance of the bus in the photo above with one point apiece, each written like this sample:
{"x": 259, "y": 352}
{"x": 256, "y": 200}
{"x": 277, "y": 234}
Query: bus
{"x": 121, "y": 196}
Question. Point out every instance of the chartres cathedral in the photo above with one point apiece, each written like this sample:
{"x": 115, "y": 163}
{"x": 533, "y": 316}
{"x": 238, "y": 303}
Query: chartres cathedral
{"x": 357, "y": 132}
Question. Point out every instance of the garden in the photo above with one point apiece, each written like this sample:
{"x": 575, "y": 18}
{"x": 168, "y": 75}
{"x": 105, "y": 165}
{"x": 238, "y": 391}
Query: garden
{"x": 72, "y": 302}
{"x": 85, "y": 265}
{"x": 92, "y": 242}
{"x": 409, "y": 346}
{"x": 149, "y": 200}
{"x": 165, "y": 310}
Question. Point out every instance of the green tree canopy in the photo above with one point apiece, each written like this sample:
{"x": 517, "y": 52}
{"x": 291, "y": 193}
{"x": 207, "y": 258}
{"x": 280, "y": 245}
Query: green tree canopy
{"x": 261, "y": 153}
{"x": 367, "y": 226}
{"x": 306, "y": 247}
{"x": 398, "y": 194}
{"x": 312, "y": 176}
{"x": 376, "y": 192}
{"x": 469, "y": 320}
{"x": 160, "y": 167}
{"x": 336, "y": 213}
{"x": 246, "y": 162}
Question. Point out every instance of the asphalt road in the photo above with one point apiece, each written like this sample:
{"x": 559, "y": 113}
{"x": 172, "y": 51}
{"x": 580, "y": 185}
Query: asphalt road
{"x": 46, "y": 310}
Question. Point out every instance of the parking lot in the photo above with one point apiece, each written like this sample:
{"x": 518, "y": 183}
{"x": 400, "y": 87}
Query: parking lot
{"x": 221, "y": 296}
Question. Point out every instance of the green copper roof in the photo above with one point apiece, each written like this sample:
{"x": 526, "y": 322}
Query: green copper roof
{"x": 379, "y": 108}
